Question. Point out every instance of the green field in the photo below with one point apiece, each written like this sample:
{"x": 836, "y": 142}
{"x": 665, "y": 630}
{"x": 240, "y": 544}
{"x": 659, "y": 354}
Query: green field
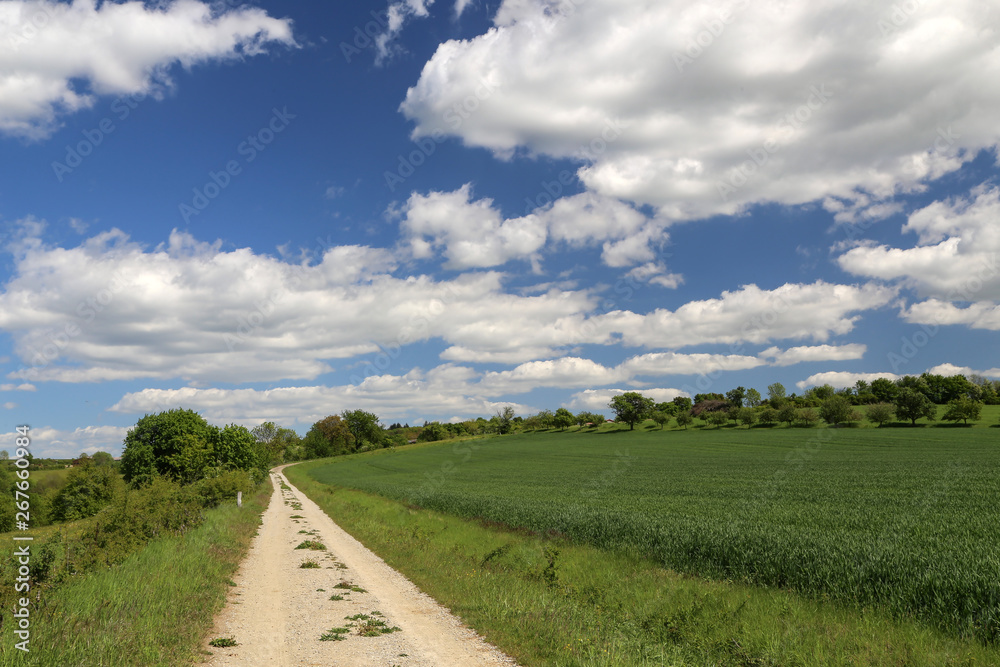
{"x": 902, "y": 520}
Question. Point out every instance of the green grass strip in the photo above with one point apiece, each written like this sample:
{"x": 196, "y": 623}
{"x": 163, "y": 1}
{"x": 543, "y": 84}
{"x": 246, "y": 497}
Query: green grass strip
{"x": 156, "y": 608}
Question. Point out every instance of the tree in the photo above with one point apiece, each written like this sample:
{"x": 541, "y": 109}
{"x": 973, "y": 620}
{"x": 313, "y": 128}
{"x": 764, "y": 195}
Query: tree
{"x": 753, "y": 399}
{"x": 884, "y": 390}
{"x": 807, "y": 417}
{"x": 776, "y": 394}
{"x": 822, "y": 392}
{"x": 4, "y": 455}
{"x": 684, "y": 418}
{"x": 88, "y": 489}
{"x": 235, "y": 448}
{"x": 748, "y": 416}
{"x": 682, "y": 404}
{"x": 631, "y": 408}
{"x": 329, "y": 436}
{"x": 433, "y": 432}
{"x": 835, "y": 409}
{"x": 768, "y": 416}
{"x": 661, "y": 418}
{"x": 102, "y": 459}
{"x": 912, "y": 404}
{"x": 736, "y": 396}
{"x": 505, "y": 420}
{"x": 364, "y": 426}
{"x": 720, "y": 418}
{"x": 787, "y": 413}
{"x": 881, "y": 413}
{"x": 150, "y": 445}
{"x": 963, "y": 408}
{"x": 563, "y": 419}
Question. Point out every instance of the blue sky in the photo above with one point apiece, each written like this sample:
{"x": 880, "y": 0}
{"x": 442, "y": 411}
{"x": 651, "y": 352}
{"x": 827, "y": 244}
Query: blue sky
{"x": 431, "y": 209}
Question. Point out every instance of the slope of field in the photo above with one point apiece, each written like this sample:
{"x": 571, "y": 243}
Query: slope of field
{"x": 902, "y": 519}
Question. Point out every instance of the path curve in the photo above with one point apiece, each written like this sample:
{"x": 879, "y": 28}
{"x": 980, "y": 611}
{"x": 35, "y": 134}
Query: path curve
{"x": 277, "y": 612}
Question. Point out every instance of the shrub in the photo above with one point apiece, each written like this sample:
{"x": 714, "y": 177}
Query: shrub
{"x": 215, "y": 490}
{"x": 880, "y": 413}
{"x": 807, "y": 417}
{"x": 88, "y": 489}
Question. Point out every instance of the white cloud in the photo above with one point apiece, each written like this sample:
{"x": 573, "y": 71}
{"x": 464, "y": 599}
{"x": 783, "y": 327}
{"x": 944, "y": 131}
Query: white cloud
{"x": 24, "y": 386}
{"x": 461, "y": 6}
{"x": 798, "y": 355}
{"x": 598, "y": 399}
{"x": 398, "y": 14}
{"x": 439, "y": 393}
{"x": 753, "y": 315}
{"x": 841, "y": 379}
{"x": 48, "y": 442}
{"x": 980, "y": 315}
{"x": 474, "y": 234}
{"x": 9, "y": 406}
{"x": 955, "y": 258}
{"x": 948, "y": 370}
{"x": 835, "y": 107}
{"x": 57, "y": 57}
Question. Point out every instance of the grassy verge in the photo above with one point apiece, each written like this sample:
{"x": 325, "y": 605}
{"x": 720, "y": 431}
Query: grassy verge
{"x": 551, "y": 603}
{"x": 154, "y": 608}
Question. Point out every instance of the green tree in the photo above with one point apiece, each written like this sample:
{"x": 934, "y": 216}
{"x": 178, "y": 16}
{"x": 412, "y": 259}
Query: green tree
{"x": 150, "y": 445}
{"x": 788, "y": 413}
{"x": 884, "y": 390}
{"x": 631, "y": 408}
{"x": 963, "y": 408}
{"x": 753, "y": 398}
{"x": 807, "y": 417}
{"x": 748, "y": 416}
{"x": 235, "y": 448}
{"x": 661, "y": 418}
{"x": 433, "y": 432}
{"x": 881, "y": 413}
{"x": 563, "y": 419}
{"x": 736, "y": 397}
{"x": 364, "y": 426}
{"x": 768, "y": 416}
{"x": 505, "y": 420}
{"x": 102, "y": 459}
{"x": 912, "y": 404}
{"x": 776, "y": 394}
{"x": 718, "y": 417}
{"x": 682, "y": 403}
{"x": 329, "y": 436}
{"x": 835, "y": 409}
{"x": 88, "y": 489}
{"x": 684, "y": 418}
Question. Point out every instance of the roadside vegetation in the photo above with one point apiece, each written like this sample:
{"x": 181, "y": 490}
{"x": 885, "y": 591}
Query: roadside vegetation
{"x": 129, "y": 563}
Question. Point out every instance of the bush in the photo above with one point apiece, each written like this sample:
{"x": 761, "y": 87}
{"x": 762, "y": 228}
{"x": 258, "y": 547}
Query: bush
{"x": 88, "y": 489}
{"x": 216, "y": 490}
{"x": 881, "y": 413}
{"x": 807, "y": 417}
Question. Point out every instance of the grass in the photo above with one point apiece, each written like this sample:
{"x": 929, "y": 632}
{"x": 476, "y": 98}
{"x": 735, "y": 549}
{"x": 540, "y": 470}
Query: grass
{"x": 312, "y": 544}
{"x": 154, "y": 608}
{"x": 552, "y": 594}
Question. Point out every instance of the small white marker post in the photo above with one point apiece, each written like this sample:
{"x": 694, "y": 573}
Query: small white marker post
{"x": 239, "y": 499}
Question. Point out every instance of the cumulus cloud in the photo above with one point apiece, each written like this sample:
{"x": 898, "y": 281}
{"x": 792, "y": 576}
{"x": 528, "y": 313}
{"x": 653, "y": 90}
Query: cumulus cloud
{"x": 841, "y": 379}
{"x": 597, "y": 399}
{"x": 948, "y": 370}
{"x": 418, "y": 395}
{"x": 57, "y": 57}
{"x": 798, "y": 355}
{"x": 981, "y": 315}
{"x": 700, "y": 110}
{"x": 49, "y": 442}
{"x": 474, "y": 234}
{"x": 955, "y": 258}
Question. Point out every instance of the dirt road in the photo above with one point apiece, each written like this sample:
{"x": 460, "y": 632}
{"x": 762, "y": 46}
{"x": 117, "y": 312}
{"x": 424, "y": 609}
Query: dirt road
{"x": 278, "y": 610}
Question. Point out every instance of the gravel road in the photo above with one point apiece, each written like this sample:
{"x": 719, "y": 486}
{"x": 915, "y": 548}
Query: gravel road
{"x": 278, "y": 611}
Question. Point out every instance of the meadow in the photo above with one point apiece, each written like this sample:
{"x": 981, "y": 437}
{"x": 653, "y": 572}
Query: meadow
{"x": 900, "y": 520}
